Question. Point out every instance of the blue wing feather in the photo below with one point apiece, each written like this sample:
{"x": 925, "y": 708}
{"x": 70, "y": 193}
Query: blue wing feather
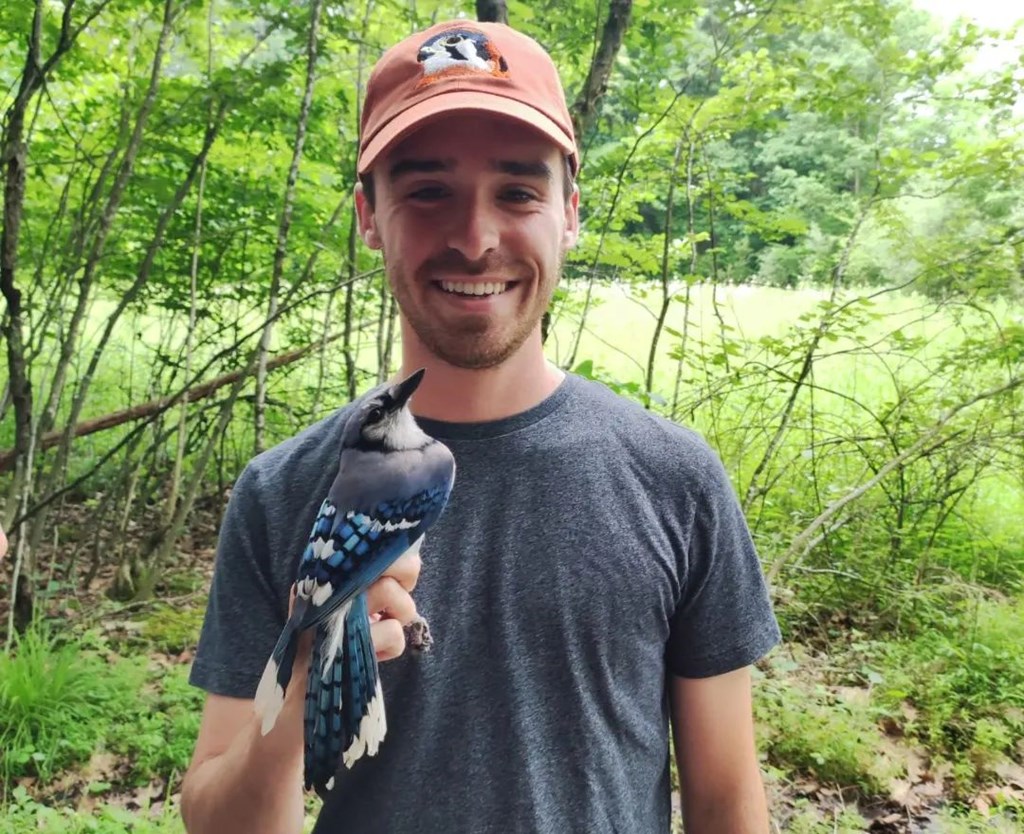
{"x": 361, "y": 546}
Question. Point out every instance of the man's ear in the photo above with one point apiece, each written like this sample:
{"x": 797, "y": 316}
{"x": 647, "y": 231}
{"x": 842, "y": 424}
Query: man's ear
{"x": 367, "y": 221}
{"x": 572, "y": 219}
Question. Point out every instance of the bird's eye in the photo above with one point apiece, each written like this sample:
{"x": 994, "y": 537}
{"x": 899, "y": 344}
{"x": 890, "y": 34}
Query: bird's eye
{"x": 452, "y": 40}
{"x": 375, "y": 416}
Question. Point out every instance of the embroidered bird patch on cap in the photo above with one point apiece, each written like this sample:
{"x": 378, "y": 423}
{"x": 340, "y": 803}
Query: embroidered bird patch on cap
{"x": 459, "y": 52}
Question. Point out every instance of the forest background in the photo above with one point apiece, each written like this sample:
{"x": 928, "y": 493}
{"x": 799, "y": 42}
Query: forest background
{"x": 803, "y": 235}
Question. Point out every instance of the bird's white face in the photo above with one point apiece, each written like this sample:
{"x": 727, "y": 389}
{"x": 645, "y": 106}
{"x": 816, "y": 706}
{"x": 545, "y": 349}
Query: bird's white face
{"x": 397, "y": 431}
{"x": 473, "y": 221}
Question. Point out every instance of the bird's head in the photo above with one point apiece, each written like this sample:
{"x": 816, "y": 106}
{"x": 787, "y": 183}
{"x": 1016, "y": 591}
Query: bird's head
{"x": 382, "y": 421}
{"x": 455, "y": 45}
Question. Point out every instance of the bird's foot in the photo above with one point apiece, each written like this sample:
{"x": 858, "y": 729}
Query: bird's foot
{"x": 418, "y": 637}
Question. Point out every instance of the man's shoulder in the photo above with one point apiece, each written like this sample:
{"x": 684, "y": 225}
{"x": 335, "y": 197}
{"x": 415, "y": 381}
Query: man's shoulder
{"x": 302, "y": 455}
{"x": 608, "y": 415}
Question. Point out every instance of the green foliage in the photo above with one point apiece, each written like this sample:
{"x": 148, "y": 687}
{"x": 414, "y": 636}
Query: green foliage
{"x": 966, "y": 685}
{"x": 23, "y": 815}
{"x": 57, "y": 702}
{"x": 61, "y": 702}
{"x": 172, "y": 630}
{"x": 1006, "y": 819}
{"x": 808, "y": 730}
{"x": 159, "y": 734}
{"x": 808, "y": 819}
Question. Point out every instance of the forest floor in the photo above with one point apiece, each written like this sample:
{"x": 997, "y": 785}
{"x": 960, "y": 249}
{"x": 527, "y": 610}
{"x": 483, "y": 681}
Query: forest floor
{"x": 860, "y": 772}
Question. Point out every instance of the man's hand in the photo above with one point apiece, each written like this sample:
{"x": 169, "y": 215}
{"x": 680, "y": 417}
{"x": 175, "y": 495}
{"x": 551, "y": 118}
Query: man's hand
{"x": 392, "y": 607}
{"x": 240, "y": 780}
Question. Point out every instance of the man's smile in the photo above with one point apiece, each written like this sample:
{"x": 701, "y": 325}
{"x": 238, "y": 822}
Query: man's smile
{"x": 476, "y": 288}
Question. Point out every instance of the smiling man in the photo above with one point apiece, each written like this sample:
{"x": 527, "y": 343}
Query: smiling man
{"x": 592, "y": 583}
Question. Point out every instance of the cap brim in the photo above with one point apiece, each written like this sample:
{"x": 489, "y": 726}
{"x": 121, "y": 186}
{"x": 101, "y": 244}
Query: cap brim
{"x": 424, "y": 112}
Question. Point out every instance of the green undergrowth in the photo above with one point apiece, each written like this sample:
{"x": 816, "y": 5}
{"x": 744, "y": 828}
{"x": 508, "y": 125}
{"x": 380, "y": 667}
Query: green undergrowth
{"x": 58, "y": 702}
{"x": 102, "y": 721}
{"x": 965, "y": 686}
{"x": 807, "y": 728}
{"x": 949, "y": 699}
{"x": 172, "y": 630}
{"x": 806, "y": 817}
{"x": 23, "y": 814}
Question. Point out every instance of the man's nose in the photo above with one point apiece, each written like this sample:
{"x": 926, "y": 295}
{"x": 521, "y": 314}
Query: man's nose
{"x": 473, "y": 230}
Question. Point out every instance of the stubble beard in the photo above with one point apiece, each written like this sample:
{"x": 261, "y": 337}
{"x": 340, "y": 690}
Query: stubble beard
{"x": 474, "y": 344}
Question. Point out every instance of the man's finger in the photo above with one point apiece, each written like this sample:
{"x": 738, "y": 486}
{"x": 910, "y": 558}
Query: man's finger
{"x": 388, "y": 639}
{"x": 388, "y": 596}
{"x": 406, "y": 570}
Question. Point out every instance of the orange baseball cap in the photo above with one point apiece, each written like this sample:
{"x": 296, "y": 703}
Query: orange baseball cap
{"x": 463, "y": 66}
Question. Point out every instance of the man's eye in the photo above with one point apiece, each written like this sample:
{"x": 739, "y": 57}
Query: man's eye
{"x": 428, "y": 193}
{"x": 517, "y": 195}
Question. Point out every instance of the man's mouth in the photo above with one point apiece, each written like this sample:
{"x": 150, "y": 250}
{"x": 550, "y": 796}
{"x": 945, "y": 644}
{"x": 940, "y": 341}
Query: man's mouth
{"x": 476, "y": 288}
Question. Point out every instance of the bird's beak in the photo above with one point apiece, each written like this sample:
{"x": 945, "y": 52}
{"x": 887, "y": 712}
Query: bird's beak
{"x": 401, "y": 392}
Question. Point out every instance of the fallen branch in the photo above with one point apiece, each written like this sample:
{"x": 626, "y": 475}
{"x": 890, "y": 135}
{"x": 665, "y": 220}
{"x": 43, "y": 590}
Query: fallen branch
{"x": 138, "y": 412}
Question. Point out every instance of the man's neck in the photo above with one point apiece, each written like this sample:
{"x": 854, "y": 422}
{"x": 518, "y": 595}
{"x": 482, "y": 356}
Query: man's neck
{"x": 460, "y": 395}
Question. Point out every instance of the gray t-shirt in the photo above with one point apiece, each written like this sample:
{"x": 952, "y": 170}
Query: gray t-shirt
{"x": 589, "y": 550}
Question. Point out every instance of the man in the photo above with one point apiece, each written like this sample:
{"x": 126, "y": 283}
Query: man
{"x": 592, "y": 574}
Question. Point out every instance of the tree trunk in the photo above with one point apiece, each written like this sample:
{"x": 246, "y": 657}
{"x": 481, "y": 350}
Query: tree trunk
{"x": 281, "y": 249}
{"x": 587, "y": 105}
{"x": 105, "y": 223}
{"x": 197, "y": 238}
{"x": 666, "y": 290}
{"x": 129, "y": 295}
{"x": 12, "y": 159}
{"x": 756, "y": 488}
{"x": 492, "y": 11}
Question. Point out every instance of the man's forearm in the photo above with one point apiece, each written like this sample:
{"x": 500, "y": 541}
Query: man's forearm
{"x": 254, "y": 786}
{"x": 743, "y": 811}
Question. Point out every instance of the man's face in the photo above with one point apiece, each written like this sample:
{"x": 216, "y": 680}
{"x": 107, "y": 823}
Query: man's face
{"x": 472, "y": 217}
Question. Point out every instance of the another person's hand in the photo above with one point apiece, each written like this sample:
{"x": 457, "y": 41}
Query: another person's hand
{"x": 3, "y": 543}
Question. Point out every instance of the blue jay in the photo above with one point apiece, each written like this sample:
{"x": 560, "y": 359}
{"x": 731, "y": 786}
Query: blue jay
{"x": 393, "y": 482}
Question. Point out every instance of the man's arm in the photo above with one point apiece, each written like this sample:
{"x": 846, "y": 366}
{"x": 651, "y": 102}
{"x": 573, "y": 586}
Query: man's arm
{"x": 713, "y": 728}
{"x": 241, "y": 781}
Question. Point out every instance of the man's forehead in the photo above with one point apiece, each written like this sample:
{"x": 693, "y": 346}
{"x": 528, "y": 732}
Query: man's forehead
{"x": 413, "y": 162}
{"x": 447, "y": 142}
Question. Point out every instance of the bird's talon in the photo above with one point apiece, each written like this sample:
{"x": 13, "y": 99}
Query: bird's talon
{"x": 418, "y": 637}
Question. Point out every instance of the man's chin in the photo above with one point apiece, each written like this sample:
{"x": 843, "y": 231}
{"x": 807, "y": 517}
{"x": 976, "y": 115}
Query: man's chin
{"x": 479, "y": 357}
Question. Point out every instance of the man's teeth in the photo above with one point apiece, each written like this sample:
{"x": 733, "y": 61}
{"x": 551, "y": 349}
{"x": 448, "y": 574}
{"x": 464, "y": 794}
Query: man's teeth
{"x": 461, "y": 288}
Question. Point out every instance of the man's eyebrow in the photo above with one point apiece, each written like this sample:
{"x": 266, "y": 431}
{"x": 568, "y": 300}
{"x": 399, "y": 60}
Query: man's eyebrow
{"x": 518, "y": 168}
{"x": 419, "y": 166}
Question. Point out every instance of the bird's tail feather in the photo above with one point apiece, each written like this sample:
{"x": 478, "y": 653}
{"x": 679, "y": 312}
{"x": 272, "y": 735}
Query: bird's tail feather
{"x": 363, "y": 701}
{"x": 278, "y": 672}
{"x": 344, "y": 702}
{"x": 322, "y": 721}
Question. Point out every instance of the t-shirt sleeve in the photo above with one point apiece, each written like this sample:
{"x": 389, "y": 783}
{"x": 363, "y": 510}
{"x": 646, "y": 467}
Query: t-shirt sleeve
{"x": 724, "y": 618}
{"x": 245, "y": 611}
